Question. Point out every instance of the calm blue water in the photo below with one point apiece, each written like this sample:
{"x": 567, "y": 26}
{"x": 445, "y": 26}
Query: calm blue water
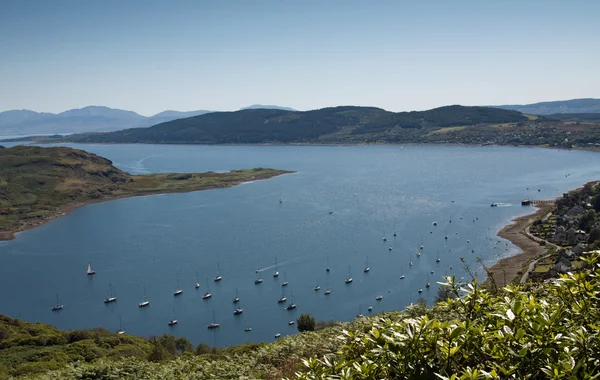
{"x": 152, "y": 241}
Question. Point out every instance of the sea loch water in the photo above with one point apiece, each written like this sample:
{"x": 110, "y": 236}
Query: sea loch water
{"x": 156, "y": 241}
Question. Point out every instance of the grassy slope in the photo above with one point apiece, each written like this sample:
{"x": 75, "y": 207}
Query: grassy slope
{"x": 37, "y": 184}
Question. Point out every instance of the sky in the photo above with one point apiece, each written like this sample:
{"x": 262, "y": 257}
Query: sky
{"x": 149, "y": 56}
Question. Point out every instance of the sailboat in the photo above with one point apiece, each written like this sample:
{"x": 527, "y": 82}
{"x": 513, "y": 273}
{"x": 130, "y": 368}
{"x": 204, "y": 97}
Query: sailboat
{"x": 258, "y": 280}
{"x": 349, "y": 278}
{"x": 317, "y": 287}
{"x": 208, "y": 294}
{"x": 173, "y": 321}
{"x": 236, "y": 299}
{"x": 276, "y": 273}
{"x": 238, "y": 311}
{"x": 280, "y": 200}
{"x": 446, "y": 236}
{"x": 178, "y": 290}
{"x": 379, "y": 298}
{"x": 90, "y": 272}
{"x": 282, "y": 299}
{"x": 144, "y": 302}
{"x": 218, "y": 276}
{"x": 327, "y": 291}
{"x": 214, "y": 323}
{"x": 367, "y": 268}
{"x": 197, "y": 285}
{"x": 360, "y": 314}
{"x": 395, "y": 230}
{"x": 284, "y": 283}
{"x": 292, "y": 305}
{"x": 438, "y": 258}
{"x": 402, "y": 276}
{"x": 327, "y": 268}
{"x": 120, "y": 331}
{"x": 57, "y": 306}
{"x": 110, "y": 298}
{"x": 422, "y": 246}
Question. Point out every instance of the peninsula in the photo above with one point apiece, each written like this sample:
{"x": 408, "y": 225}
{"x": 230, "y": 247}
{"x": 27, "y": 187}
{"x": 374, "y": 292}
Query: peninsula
{"x": 39, "y": 184}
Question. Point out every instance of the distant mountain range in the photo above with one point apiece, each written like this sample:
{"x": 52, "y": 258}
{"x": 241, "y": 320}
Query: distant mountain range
{"x": 88, "y": 119}
{"x": 587, "y": 105}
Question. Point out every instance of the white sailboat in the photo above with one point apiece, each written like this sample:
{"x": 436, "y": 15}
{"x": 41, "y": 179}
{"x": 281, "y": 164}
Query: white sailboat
{"x": 144, "y": 302}
{"x": 110, "y": 298}
{"x": 208, "y": 294}
{"x": 120, "y": 331}
{"x": 218, "y": 277}
{"x": 276, "y": 273}
{"x": 236, "y": 299}
{"x": 292, "y": 305}
{"x": 90, "y": 272}
{"x": 284, "y": 283}
{"x": 197, "y": 285}
{"x": 57, "y": 306}
{"x": 349, "y": 278}
{"x": 317, "y": 287}
{"x": 258, "y": 280}
{"x": 173, "y": 321}
{"x": 367, "y": 268}
{"x": 238, "y": 310}
{"x": 214, "y": 323}
{"x": 283, "y": 298}
{"x": 178, "y": 290}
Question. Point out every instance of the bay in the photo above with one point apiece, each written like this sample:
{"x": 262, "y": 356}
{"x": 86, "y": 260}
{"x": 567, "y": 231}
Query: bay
{"x": 373, "y": 191}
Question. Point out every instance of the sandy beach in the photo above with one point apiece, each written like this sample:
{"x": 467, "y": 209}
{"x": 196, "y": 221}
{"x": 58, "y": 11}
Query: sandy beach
{"x": 509, "y": 268}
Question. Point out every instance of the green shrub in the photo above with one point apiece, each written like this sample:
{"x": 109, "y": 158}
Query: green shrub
{"x": 306, "y": 322}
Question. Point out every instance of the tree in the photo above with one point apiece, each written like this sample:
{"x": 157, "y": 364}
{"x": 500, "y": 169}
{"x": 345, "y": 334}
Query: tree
{"x": 306, "y": 322}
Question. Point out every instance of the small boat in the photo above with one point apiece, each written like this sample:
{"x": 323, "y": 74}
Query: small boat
{"x": 178, "y": 290}
{"x": 214, "y": 323}
{"x": 367, "y": 268}
{"x": 360, "y": 314}
{"x": 390, "y": 249}
{"x": 110, "y": 298}
{"x": 379, "y": 298}
{"x": 144, "y": 302}
{"x": 410, "y": 263}
{"x": 90, "y": 272}
{"x": 317, "y": 287}
{"x": 238, "y": 311}
{"x": 173, "y": 321}
{"x": 258, "y": 281}
{"x": 327, "y": 292}
{"x": 208, "y": 294}
{"x": 330, "y": 212}
{"x": 280, "y": 200}
{"x": 248, "y": 329}
{"x": 435, "y": 223}
{"x": 291, "y": 323}
{"x": 349, "y": 278}
{"x": 120, "y": 331}
{"x": 197, "y": 285}
{"x": 327, "y": 268}
{"x": 282, "y": 299}
{"x": 438, "y": 260}
{"x": 427, "y": 285}
{"x": 57, "y": 306}
{"x": 394, "y": 234}
{"x": 277, "y": 335}
{"x": 236, "y": 299}
{"x": 402, "y": 277}
{"x": 218, "y": 276}
{"x": 420, "y": 290}
{"x": 276, "y": 273}
{"x": 384, "y": 239}
{"x": 418, "y": 254}
{"x": 292, "y": 305}
{"x": 370, "y": 309}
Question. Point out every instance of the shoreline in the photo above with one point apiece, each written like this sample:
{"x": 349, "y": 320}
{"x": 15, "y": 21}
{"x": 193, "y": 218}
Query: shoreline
{"x": 509, "y": 268}
{"x": 66, "y": 209}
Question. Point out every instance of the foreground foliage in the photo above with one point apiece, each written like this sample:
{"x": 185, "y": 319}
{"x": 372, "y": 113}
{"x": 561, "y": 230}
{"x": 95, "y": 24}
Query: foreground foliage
{"x": 547, "y": 332}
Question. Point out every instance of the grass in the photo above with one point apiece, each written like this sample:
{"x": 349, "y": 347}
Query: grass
{"x": 446, "y": 130}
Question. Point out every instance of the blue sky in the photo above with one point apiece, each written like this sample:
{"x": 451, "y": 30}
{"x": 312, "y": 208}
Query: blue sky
{"x": 148, "y": 56}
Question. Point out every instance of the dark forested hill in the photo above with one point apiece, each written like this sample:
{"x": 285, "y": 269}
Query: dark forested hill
{"x": 587, "y": 105}
{"x": 337, "y": 124}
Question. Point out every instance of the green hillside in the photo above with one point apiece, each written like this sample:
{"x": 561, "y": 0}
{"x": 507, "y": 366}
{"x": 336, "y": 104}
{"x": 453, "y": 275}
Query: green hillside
{"x": 338, "y": 124}
{"x": 38, "y": 184}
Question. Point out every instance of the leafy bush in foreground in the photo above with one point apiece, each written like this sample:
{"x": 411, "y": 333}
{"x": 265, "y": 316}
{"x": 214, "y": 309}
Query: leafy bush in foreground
{"x": 548, "y": 332}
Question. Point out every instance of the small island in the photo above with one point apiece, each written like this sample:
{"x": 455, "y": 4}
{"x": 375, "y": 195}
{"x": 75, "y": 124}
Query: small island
{"x": 39, "y": 184}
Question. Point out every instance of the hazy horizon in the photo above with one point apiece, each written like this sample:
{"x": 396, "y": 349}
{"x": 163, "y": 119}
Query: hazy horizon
{"x": 153, "y": 56}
